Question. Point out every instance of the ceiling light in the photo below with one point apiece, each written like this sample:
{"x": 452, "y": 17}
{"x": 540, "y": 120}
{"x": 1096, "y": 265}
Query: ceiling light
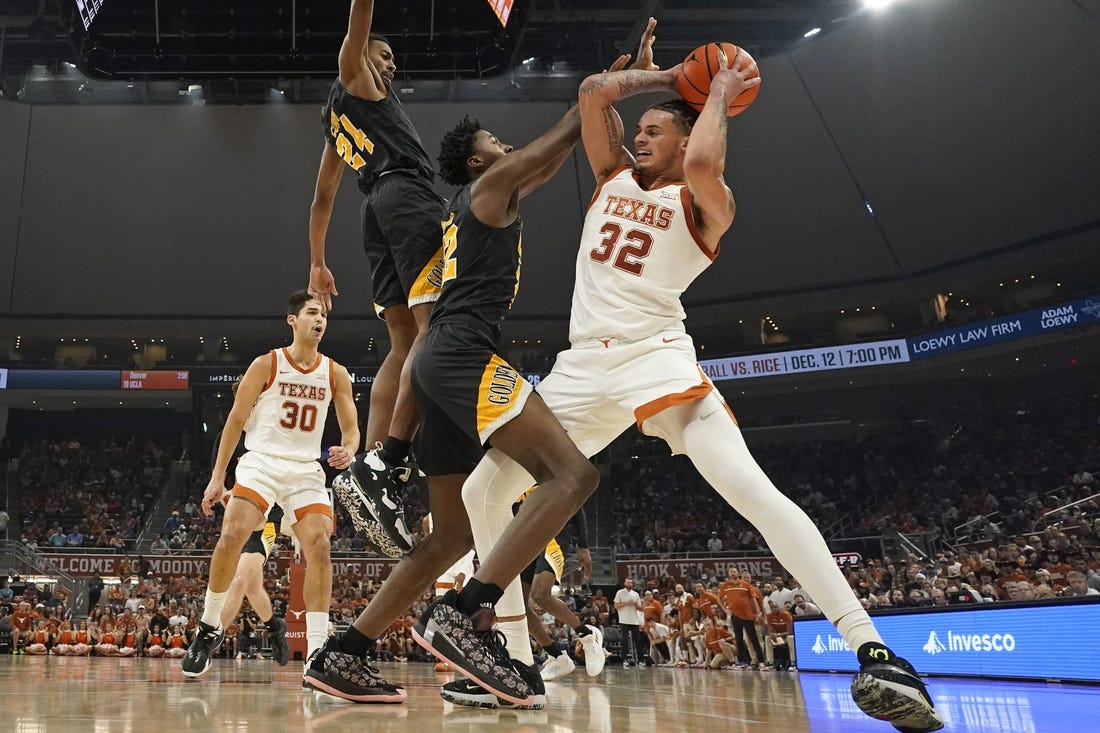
{"x": 811, "y": 32}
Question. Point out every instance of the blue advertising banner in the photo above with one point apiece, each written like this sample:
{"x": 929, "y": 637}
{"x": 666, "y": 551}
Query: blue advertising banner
{"x": 1056, "y": 641}
{"x": 1007, "y": 328}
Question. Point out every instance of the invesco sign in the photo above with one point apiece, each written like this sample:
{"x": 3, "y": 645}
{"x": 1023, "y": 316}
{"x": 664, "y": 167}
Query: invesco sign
{"x": 970, "y": 643}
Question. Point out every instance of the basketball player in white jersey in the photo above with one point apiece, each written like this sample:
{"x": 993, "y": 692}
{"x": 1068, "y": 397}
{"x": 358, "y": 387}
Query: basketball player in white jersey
{"x": 281, "y": 404}
{"x": 653, "y": 225}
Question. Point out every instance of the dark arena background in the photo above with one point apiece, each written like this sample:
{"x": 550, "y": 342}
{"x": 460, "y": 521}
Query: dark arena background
{"x": 904, "y": 317}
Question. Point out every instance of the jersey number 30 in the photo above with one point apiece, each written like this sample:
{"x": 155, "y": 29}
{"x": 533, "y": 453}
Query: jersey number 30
{"x": 635, "y": 247}
{"x": 303, "y": 417}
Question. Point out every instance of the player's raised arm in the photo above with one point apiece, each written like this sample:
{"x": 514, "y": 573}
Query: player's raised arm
{"x": 322, "y": 285}
{"x": 705, "y": 158}
{"x": 494, "y": 195}
{"x": 357, "y": 73}
{"x": 601, "y": 126}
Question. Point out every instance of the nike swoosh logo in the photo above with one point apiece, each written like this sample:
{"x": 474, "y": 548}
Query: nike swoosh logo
{"x": 669, "y": 341}
{"x": 388, "y": 501}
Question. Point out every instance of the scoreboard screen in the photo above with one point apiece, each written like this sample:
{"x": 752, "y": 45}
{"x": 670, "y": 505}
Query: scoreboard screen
{"x": 502, "y": 8}
{"x": 88, "y": 10}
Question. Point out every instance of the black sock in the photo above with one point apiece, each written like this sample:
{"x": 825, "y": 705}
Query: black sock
{"x": 394, "y": 451}
{"x": 355, "y": 642}
{"x": 553, "y": 650}
{"x": 476, "y": 595}
{"x": 582, "y": 630}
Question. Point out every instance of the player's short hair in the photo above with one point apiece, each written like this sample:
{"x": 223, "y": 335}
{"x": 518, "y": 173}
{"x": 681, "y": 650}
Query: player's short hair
{"x": 455, "y": 149}
{"x": 378, "y": 37}
{"x": 683, "y": 112}
{"x": 297, "y": 301}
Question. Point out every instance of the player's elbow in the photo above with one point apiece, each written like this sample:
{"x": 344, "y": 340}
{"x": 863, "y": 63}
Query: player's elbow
{"x": 701, "y": 166}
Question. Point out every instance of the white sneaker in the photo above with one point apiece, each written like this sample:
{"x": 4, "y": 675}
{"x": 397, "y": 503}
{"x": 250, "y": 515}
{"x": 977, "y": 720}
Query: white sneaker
{"x": 557, "y": 667}
{"x": 594, "y": 656}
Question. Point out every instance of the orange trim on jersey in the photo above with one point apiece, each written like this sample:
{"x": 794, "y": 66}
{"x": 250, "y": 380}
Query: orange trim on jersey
{"x": 612, "y": 174}
{"x": 274, "y": 370}
{"x": 692, "y": 394}
{"x": 502, "y": 619}
{"x": 300, "y": 514}
{"x": 689, "y": 216}
{"x": 249, "y": 495}
{"x": 332, "y": 376}
{"x": 298, "y": 368}
{"x": 445, "y": 586}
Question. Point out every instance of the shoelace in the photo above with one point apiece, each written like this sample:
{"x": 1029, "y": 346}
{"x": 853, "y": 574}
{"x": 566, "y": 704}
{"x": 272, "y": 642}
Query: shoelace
{"x": 495, "y": 641}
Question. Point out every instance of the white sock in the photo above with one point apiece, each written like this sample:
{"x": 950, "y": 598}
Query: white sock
{"x": 518, "y": 642}
{"x": 857, "y": 629}
{"x": 212, "y": 610}
{"x": 316, "y": 631}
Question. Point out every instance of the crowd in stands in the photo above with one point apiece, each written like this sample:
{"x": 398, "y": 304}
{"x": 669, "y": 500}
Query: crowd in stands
{"x": 80, "y": 495}
{"x": 1003, "y": 505}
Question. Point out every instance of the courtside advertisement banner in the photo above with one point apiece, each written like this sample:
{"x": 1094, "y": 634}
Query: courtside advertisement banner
{"x": 1055, "y": 641}
{"x": 807, "y": 360}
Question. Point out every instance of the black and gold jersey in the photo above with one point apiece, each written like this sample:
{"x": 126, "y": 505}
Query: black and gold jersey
{"x": 481, "y": 265}
{"x": 373, "y": 137}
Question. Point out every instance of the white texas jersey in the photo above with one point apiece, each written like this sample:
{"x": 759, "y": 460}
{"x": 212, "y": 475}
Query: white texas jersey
{"x": 289, "y": 415}
{"x": 639, "y": 252}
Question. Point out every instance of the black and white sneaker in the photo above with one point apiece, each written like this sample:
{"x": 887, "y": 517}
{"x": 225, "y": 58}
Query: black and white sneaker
{"x": 384, "y": 485}
{"x": 472, "y": 695}
{"x": 473, "y": 647}
{"x": 353, "y": 499}
{"x": 348, "y": 677}
{"x": 200, "y": 653}
{"x": 888, "y": 688}
{"x": 276, "y": 628}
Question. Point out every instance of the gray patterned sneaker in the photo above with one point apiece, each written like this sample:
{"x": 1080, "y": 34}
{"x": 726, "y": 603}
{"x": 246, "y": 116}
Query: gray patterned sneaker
{"x": 354, "y": 501}
{"x": 200, "y": 653}
{"x": 888, "y": 688}
{"x": 348, "y": 677}
{"x": 473, "y": 647}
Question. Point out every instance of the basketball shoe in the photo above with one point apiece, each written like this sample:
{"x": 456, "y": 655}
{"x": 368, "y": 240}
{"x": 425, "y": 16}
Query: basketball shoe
{"x": 558, "y": 667}
{"x": 472, "y": 695}
{"x": 594, "y": 655}
{"x": 473, "y": 647}
{"x": 200, "y": 653}
{"x": 280, "y": 649}
{"x": 353, "y": 499}
{"x": 888, "y": 688}
{"x": 382, "y": 484}
{"x": 348, "y": 677}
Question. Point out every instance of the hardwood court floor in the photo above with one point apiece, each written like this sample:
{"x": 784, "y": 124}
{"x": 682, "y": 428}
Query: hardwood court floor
{"x": 78, "y": 695}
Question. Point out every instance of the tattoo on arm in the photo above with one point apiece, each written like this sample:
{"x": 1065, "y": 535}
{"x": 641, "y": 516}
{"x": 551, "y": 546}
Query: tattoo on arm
{"x": 720, "y": 113}
{"x": 611, "y": 127}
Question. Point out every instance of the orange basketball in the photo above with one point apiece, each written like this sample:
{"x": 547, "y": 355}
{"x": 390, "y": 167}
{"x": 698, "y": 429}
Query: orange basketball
{"x": 699, "y": 68}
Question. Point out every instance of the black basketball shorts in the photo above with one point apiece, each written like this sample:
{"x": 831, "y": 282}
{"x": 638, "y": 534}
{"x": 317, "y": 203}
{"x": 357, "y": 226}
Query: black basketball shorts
{"x": 464, "y": 392}
{"x": 403, "y": 240}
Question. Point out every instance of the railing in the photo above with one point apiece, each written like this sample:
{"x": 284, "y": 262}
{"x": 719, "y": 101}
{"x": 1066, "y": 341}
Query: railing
{"x": 973, "y": 529}
{"x": 1045, "y": 518}
{"x": 178, "y": 474}
{"x": 22, "y": 556}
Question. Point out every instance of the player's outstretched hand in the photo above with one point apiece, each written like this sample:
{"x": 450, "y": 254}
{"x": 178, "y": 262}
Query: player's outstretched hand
{"x": 339, "y": 457}
{"x": 645, "y": 49}
{"x": 733, "y": 78}
{"x": 322, "y": 285}
{"x": 213, "y": 494}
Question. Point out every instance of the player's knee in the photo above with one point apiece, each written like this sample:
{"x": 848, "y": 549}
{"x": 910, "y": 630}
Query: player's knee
{"x": 581, "y": 479}
{"x": 233, "y": 536}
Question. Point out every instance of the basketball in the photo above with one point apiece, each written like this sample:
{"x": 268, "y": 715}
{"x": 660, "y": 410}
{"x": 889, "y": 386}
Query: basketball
{"x": 699, "y": 68}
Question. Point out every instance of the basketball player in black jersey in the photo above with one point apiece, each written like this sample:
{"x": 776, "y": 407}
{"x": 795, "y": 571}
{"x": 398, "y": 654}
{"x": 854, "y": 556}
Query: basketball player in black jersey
{"x": 367, "y": 129}
{"x": 466, "y": 394}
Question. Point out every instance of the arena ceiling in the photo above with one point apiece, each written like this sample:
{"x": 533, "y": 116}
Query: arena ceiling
{"x": 239, "y": 50}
